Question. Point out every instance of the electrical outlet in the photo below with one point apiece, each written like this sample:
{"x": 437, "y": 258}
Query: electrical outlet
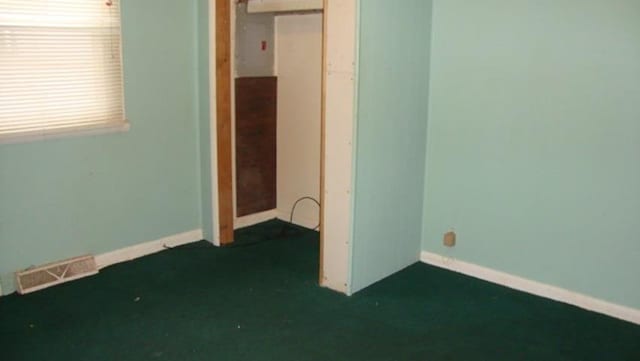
{"x": 449, "y": 239}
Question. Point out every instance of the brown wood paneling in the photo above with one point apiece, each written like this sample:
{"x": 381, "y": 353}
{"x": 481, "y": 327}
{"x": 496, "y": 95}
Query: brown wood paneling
{"x": 256, "y": 112}
{"x": 223, "y": 116}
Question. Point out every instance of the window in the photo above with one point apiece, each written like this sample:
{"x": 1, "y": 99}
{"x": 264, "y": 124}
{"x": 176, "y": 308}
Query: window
{"x": 60, "y": 67}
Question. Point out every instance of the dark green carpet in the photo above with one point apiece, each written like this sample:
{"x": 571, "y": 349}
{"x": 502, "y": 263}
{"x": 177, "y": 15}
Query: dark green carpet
{"x": 261, "y": 302}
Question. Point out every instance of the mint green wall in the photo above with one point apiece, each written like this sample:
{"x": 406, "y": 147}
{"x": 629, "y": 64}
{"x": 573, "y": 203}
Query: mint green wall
{"x": 534, "y": 141}
{"x": 390, "y": 154}
{"x": 203, "y": 119}
{"x": 66, "y": 197}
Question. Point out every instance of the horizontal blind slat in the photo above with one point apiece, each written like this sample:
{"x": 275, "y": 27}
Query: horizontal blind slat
{"x": 60, "y": 65}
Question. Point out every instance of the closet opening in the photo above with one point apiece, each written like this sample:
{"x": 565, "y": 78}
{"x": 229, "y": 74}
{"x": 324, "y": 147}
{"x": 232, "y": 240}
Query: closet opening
{"x": 274, "y": 150}
{"x": 276, "y": 115}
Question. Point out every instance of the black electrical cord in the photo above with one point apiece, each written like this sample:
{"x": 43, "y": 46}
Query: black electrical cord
{"x": 281, "y": 235}
{"x": 293, "y": 209}
{"x": 283, "y": 232}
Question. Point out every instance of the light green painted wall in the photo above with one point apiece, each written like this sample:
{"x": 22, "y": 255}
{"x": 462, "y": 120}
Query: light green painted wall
{"x": 534, "y": 139}
{"x": 67, "y": 197}
{"x": 390, "y": 155}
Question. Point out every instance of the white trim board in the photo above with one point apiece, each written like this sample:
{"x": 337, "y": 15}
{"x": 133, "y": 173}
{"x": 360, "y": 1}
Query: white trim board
{"x": 300, "y": 221}
{"x": 341, "y": 37}
{"x": 261, "y": 6}
{"x": 251, "y": 219}
{"x": 213, "y": 125}
{"x": 145, "y": 249}
{"x": 533, "y": 287}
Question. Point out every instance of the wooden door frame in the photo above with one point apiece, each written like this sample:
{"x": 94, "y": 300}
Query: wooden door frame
{"x": 223, "y": 120}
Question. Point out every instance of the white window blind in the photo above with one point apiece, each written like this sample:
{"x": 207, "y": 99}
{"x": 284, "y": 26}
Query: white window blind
{"x": 60, "y": 66}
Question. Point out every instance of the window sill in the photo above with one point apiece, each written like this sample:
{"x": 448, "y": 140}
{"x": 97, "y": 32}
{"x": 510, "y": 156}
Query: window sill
{"x": 64, "y": 133}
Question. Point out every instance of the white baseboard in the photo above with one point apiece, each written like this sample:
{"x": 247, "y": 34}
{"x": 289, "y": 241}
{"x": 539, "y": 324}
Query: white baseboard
{"x": 533, "y": 287}
{"x": 287, "y": 6}
{"x": 300, "y": 221}
{"x": 144, "y": 249}
{"x": 250, "y": 220}
{"x": 137, "y": 251}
